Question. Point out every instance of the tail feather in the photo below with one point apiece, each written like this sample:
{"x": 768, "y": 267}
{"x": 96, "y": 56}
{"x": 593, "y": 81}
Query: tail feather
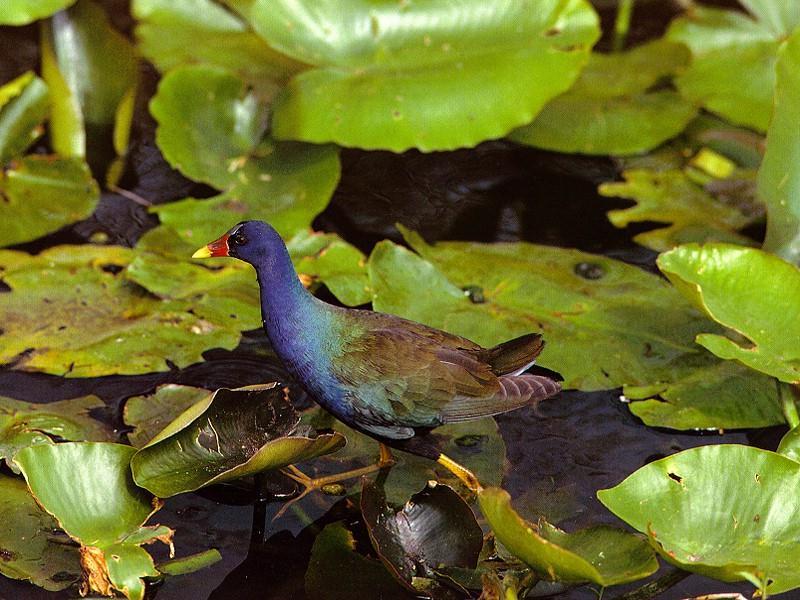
{"x": 515, "y": 392}
{"x": 514, "y": 356}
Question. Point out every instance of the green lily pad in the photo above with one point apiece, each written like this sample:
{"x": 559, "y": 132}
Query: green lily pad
{"x": 596, "y": 314}
{"x": 753, "y": 293}
{"x": 435, "y": 528}
{"x": 150, "y": 414}
{"x": 612, "y": 109}
{"x": 671, "y": 197}
{"x": 334, "y": 554}
{"x": 732, "y": 72}
{"x": 724, "y": 511}
{"x": 24, "y": 424}
{"x": 220, "y": 141}
{"x": 99, "y": 506}
{"x": 779, "y": 176}
{"x": 602, "y": 555}
{"x": 28, "y": 547}
{"x": 72, "y": 311}
{"x": 430, "y": 76}
{"x": 229, "y": 435}
{"x": 43, "y": 194}
{"x": 790, "y": 444}
{"x": 168, "y": 30}
{"x": 24, "y": 105}
{"x": 22, "y": 12}
{"x": 726, "y": 395}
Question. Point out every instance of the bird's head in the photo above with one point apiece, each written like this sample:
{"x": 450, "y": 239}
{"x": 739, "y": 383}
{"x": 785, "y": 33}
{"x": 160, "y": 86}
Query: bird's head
{"x": 254, "y": 242}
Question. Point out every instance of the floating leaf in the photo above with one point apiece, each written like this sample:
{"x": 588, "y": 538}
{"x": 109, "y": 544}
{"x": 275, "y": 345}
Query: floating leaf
{"x": 24, "y": 424}
{"x": 334, "y": 554}
{"x": 671, "y": 197}
{"x": 596, "y": 314}
{"x": 726, "y": 395}
{"x": 612, "y": 109}
{"x": 100, "y": 507}
{"x": 602, "y": 555}
{"x": 431, "y": 76}
{"x": 754, "y": 293}
{"x": 148, "y": 415}
{"x": 168, "y": 31}
{"x": 435, "y": 528}
{"x": 724, "y": 511}
{"x": 779, "y": 177}
{"x": 732, "y": 72}
{"x": 24, "y": 105}
{"x": 22, "y": 12}
{"x": 72, "y": 311}
{"x": 230, "y": 435}
{"x": 41, "y": 194}
{"x": 28, "y": 547}
{"x": 219, "y": 141}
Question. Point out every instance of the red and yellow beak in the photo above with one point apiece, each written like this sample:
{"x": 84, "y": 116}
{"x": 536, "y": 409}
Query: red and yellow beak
{"x": 218, "y": 247}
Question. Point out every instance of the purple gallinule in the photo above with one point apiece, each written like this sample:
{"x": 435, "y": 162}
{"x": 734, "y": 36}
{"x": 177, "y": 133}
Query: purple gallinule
{"x": 390, "y": 378}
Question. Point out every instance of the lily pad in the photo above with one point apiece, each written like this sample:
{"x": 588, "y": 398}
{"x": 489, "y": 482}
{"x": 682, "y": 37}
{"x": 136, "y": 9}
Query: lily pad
{"x": 150, "y": 414}
{"x": 43, "y": 194}
{"x": 24, "y": 105}
{"x": 671, "y": 197}
{"x": 168, "y": 30}
{"x": 732, "y": 72}
{"x": 100, "y": 507}
{"x": 72, "y": 311}
{"x": 602, "y": 555}
{"x": 753, "y": 293}
{"x": 28, "y": 546}
{"x": 22, "y": 12}
{"x": 219, "y": 141}
{"x": 435, "y": 528}
{"x": 779, "y": 176}
{"x": 726, "y": 395}
{"x": 595, "y": 313}
{"x": 230, "y": 435}
{"x": 24, "y": 424}
{"x": 612, "y": 109}
{"x": 431, "y": 76}
{"x": 725, "y": 511}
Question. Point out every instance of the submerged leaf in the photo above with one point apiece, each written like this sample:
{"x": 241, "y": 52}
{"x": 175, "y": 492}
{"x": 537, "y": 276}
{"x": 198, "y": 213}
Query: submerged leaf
{"x": 602, "y": 555}
{"x": 753, "y": 293}
{"x": 433, "y": 76}
{"x": 24, "y": 105}
{"x": 227, "y": 436}
{"x": 724, "y": 511}
{"x": 148, "y": 415}
{"x": 612, "y": 109}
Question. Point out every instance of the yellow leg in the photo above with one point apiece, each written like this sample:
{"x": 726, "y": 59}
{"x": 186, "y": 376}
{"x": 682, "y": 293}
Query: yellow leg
{"x": 464, "y": 474}
{"x": 385, "y": 460}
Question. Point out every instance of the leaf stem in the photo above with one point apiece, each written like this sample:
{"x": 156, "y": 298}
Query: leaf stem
{"x": 622, "y": 24}
{"x": 788, "y": 404}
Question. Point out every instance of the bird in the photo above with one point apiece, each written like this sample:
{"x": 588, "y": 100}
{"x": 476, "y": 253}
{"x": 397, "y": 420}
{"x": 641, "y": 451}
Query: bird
{"x": 387, "y": 377}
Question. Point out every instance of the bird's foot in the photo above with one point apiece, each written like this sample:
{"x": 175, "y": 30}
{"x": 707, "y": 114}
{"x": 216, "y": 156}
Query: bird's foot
{"x": 463, "y": 473}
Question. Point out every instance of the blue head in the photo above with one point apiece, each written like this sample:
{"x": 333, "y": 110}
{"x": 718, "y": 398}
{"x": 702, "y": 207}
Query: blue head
{"x": 254, "y": 242}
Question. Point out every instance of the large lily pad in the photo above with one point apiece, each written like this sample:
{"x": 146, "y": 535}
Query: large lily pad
{"x": 150, "y": 414}
{"x": 732, "y": 72}
{"x": 29, "y": 548}
{"x": 24, "y": 105}
{"x": 219, "y": 140}
{"x": 427, "y": 75}
{"x": 434, "y": 529}
{"x": 602, "y": 555}
{"x": 596, "y": 314}
{"x": 753, "y": 293}
{"x": 72, "y": 311}
{"x": 168, "y": 31}
{"x": 611, "y": 108}
{"x": 41, "y": 194}
{"x": 100, "y": 507}
{"x": 230, "y": 435}
{"x": 22, "y": 12}
{"x": 24, "y": 424}
{"x": 725, "y": 511}
{"x": 779, "y": 176}
{"x": 671, "y": 197}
